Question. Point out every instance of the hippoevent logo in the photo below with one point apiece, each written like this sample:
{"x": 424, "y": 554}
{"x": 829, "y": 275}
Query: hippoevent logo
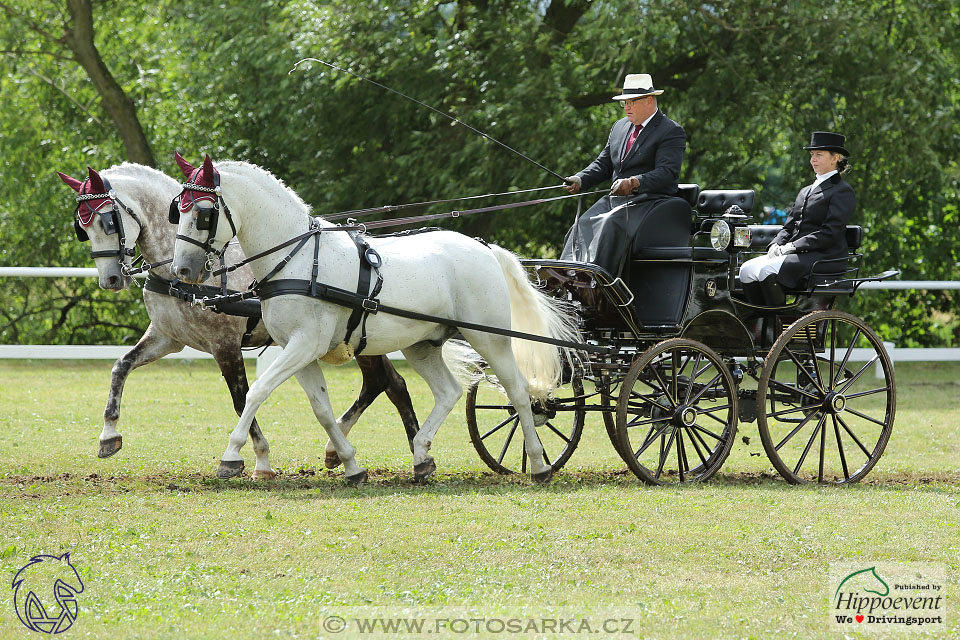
{"x": 879, "y": 596}
{"x": 45, "y": 593}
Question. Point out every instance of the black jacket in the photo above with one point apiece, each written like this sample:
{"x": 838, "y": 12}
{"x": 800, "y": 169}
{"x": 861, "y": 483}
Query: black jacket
{"x": 816, "y": 225}
{"x": 654, "y": 158}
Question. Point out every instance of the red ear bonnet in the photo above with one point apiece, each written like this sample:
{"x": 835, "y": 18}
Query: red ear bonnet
{"x": 203, "y": 177}
{"x": 73, "y": 183}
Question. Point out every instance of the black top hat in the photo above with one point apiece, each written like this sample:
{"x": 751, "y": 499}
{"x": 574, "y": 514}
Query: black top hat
{"x": 828, "y": 142}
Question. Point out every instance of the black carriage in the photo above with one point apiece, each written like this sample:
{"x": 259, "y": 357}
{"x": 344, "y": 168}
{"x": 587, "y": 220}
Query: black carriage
{"x": 689, "y": 358}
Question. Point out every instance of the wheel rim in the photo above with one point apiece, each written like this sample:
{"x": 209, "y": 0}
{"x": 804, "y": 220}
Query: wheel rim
{"x": 495, "y": 432}
{"x": 823, "y": 414}
{"x": 677, "y": 413}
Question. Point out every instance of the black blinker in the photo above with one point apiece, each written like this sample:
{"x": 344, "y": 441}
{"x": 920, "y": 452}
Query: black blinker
{"x": 81, "y": 234}
{"x": 174, "y": 215}
{"x": 109, "y": 222}
{"x": 204, "y": 217}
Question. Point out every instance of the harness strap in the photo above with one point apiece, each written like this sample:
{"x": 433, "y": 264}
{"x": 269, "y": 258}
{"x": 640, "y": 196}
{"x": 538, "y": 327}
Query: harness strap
{"x": 349, "y": 299}
{"x": 369, "y": 262}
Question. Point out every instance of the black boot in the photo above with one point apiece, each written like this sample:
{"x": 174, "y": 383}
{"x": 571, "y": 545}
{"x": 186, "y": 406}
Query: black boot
{"x": 752, "y": 293}
{"x": 773, "y": 295}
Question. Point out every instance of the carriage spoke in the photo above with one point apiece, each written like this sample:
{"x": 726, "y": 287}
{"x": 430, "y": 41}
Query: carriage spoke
{"x": 506, "y": 444}
{"x": 859, "y": 373}
{"x": 783, "y": 386}
{"x": 500, "y": 426}
{"x": 843, "y": 457}
{"x": 558, "y": 432}
{"x": 870, "y": 392}
{"x": 846, "y": 356}
{"x": 696, "y": 437}
{"x": 833, "y": 350}
{"x": 710, "y": 415}
{"x": 795, "y": 430}
{"x": 681, "y": 455}
{"x": 708, "y": 432}
{"x": 816, "y": 362}
{"x": 675, "y": 373}
{"x": 706, "y": 388}
{"x": 646, "y": 422}
{"x": 854, "y": 436}
{"x": 823, "y": 442}
{"x": 523, "y": 458}
{"x": 802, "y": 368}
{"x": 806, "y": 450}
{"x": 651, "y": 436}
{"x": 696, "y": 374}
{"x": 664, "y": 452}
{"x": 784, "y": 412}
{"x": 666, "y": 391}
{"x": 693, "y": 440}
{"x": 865, "y": 416}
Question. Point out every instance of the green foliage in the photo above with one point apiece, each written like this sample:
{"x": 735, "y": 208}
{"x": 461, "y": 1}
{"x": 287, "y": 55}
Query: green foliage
{"x": 748, "y": 80}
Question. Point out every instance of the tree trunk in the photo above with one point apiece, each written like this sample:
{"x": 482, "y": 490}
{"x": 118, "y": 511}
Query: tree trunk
{"x": 79, "y": 37}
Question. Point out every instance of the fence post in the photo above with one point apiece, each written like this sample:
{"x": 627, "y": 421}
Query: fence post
{"x": 888, "y": 347}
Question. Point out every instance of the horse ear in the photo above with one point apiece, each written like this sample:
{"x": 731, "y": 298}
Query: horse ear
{"x": 96, "y": 182}
{"x": 207, "y": 168}
{"x": 185, "y": 167}
{"x": 73, "y": 183}
{"x": 66, "y": 557}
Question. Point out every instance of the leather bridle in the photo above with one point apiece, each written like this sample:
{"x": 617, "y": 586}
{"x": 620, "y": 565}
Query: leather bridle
{"x": 112, "y": 223}
{"x": 207, "y": 217}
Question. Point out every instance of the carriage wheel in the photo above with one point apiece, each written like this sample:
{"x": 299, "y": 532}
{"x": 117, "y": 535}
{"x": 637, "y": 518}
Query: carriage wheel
{"x": 822, "y": 413}
{"x": 677, "y": 413}
{"x": 495, "y": 432}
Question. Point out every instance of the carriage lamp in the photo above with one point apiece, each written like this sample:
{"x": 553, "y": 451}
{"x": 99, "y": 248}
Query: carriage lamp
{"x": 742, "y": 237}
{"x": 720, "y": 235}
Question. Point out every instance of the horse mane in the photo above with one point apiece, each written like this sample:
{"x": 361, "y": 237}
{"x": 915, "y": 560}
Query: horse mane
{"x": 265, "y": 173}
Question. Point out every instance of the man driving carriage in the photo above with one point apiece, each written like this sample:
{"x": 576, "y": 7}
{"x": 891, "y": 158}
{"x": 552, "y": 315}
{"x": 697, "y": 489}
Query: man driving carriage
{"x": 643, "y": 155}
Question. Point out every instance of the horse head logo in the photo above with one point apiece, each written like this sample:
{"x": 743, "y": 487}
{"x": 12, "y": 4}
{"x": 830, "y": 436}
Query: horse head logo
{"x": 32, "y": 588}
{"x": 866, "y": 580}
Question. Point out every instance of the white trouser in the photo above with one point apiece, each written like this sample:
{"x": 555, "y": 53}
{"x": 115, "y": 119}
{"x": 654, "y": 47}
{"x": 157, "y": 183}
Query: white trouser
{"x": 757, "y": 269}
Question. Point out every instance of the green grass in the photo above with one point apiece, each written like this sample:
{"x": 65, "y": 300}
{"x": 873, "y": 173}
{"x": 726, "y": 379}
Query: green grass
{"x": 166, "y": 550}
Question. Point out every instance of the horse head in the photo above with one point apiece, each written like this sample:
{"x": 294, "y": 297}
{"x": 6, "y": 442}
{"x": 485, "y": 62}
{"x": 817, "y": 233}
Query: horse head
{"x": 111, "y": 227}
{"x": 40, "y": 576}
{"x": 199, "y": 233}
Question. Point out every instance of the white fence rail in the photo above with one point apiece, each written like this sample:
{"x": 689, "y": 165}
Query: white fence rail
{"x": 100, "y": 352}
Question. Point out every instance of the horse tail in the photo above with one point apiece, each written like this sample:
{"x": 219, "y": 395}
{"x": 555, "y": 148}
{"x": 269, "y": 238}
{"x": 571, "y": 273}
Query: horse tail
{"x": 533, "y": 311}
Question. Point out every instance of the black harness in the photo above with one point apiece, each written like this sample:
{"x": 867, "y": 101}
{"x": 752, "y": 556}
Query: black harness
{"x": 207, "y": 217}
{"x": 112, "y": 223}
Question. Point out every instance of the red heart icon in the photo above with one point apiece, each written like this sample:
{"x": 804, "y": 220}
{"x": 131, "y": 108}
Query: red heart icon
{"x": 859, "y": 618}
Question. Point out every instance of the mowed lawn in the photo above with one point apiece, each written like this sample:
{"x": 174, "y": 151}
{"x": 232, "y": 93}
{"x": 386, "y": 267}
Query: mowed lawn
{"x": 166, "y": 550}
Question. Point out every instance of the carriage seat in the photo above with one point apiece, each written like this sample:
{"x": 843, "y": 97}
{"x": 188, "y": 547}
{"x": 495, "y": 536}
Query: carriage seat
{"x": 717, "y": 201}
{"x": 761, "y": 235}
{"x": 690, "y": 193}
{"x": 824, "y": 272}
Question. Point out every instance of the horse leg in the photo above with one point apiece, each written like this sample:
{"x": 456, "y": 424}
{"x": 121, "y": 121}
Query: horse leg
{"x": 152, "y": 346}
{"x": 497, "y": 351}
{"x": 230, "y": 361}
{"x": 295, "y": 355}
{"x": 311, "y": 379}
{"x": 427, "y": 360}
{"x": 379, "y": 375}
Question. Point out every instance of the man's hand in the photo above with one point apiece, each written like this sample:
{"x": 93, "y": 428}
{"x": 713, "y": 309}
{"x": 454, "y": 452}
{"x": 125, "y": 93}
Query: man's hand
{"x": 573, "y": 184}
{"x": 624, "y": 187}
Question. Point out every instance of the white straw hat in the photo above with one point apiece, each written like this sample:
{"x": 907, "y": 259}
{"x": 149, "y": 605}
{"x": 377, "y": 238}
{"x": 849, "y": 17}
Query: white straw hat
{"x": 637, "y": 85}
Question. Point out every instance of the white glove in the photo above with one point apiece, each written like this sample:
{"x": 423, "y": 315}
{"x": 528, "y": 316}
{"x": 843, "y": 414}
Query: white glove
{"x": 573, "y": 184}
{"x": 774, "y": 251}
{"x": 788, "y": 249}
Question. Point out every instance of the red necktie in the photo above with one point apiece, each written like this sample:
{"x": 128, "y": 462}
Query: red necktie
{"x": 631, "y": 140}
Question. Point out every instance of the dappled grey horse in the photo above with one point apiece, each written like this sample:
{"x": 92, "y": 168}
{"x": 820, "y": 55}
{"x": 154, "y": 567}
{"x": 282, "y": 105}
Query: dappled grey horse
{"x": 126, "y": 207}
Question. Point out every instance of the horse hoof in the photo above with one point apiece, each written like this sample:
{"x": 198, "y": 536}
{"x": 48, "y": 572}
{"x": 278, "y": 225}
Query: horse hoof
{"x": 358, "y": 478}
{"x": 331, "y": 460}
{"x": 424, "y": 470}
{"x": 543, "y": 477}
{"x": 110, "y": 446}
{"x": 264, "y": 474}
{"x": 229, "y": 468}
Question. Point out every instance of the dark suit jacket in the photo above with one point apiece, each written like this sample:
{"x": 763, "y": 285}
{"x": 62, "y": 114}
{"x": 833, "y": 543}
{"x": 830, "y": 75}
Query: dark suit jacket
{"x": 654, "y": 158}
{"x": 816, "y": 225}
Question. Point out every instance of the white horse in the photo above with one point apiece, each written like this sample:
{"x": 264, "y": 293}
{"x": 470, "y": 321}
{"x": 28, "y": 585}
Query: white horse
{"x": 440, "y": 273}
{"x": 137, "y": 215}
